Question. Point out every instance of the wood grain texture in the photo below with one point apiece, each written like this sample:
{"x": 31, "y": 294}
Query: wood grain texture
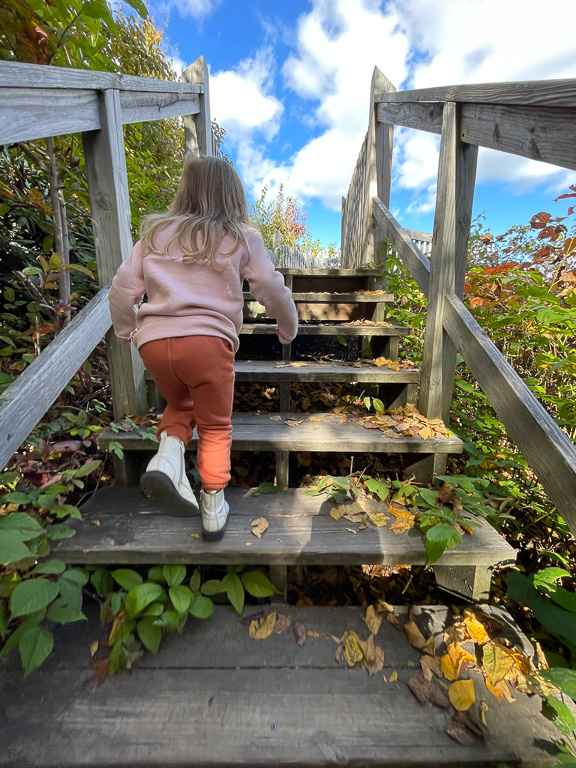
{"x": 142, "y": 106}
{"x": 261, "y": 431}
{"x": 423, "y": 117}
{"x": 131, "y": 530}
{"x": 546, "y": 447}
{"x": 554, "y": 93}
{"x": 264, "y": 370}
{"x": 26, "y": 115}
{"x": 329, "y": 330}
{"x": 214, "y": 698}
{"x": 336, "y": 298}
{"x": 110, "y": 209}
{"x": 19, "y": 75}
{"x": 329, "y": 272}
{"x": 416, "y": 263}
{"x": 26, "y": 401}
{"x": 456, "y": 180}
{"x": 198, "y": 127}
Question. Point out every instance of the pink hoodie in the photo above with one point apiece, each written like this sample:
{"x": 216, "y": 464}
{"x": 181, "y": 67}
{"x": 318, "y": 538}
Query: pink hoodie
{"x": 193, "y": 298}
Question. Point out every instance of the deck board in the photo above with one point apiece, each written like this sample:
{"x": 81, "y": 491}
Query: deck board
{"x": 120, "y": 525}
{"x": 340, "y": 329}
{"x": 214, "y": 698}
{"x": 265, "y": 370}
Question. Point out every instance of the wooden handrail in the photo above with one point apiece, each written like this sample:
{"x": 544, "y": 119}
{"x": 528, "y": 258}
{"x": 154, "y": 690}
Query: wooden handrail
{"x": 25, "y": 401}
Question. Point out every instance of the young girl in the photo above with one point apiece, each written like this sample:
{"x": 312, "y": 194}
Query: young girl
{"x": 191, "y": 262}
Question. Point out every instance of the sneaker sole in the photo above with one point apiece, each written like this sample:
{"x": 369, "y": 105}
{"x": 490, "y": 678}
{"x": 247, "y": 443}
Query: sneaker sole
{"x": 159, "y": 485}
{"x": 215, "y": 535}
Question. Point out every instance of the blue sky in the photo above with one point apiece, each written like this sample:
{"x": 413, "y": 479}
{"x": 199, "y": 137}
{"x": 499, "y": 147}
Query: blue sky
{"x": 290, "y": 83}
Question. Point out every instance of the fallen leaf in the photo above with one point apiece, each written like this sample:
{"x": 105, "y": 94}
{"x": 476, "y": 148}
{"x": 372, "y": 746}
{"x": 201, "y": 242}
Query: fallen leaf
{"x": 102, "y": 667}
{"x": 379, "y": 519}
{"x": 426, "y": 690}
{"x": 259, "y": 526}
{"x": 460, "y": 733}
{"x": 352, "y": 651}
{"x": 96, "y": 523}
{"x": 475, "y": 628}
{"x": 93, "y": 648}
{"x": 373, "y": 655}
{"x": 316, "y": 418}
{"x": 300, "y": 633}
{"x": 415, "y": 637}
{"x": 282, "y": 623}
{"x": 461, "y": 694}
{"x": 297, "y": 364}
{"x": 275, "y": 418}
{"x": 393, "y": 619}
{"x": 338, "y": 653}
{"x": 311, "y": 633}
{"x": 195, "y": 536}
{"x": 393, "y": 676}
{"x": 497, "y": 662}
{"x": 483, "y": 710}
{"x": 293, "y": 422}
{"x": 500, "y": 690}
{"x": 248, "y": 543}
{"x": 338, "y": 511}
{"x": 260, "y": 629}
{"x": 431, "y": 665}
{"x": 372, "y": 620}
{"x": 352, "y": 530}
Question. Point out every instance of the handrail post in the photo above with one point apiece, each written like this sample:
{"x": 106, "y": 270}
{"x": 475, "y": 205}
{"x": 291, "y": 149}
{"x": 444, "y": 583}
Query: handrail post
{"x": 110, "y": 207}
{"x": 198, "y": 128}
{"x": 380, "y": 165}
{"x": 456, "y": 178}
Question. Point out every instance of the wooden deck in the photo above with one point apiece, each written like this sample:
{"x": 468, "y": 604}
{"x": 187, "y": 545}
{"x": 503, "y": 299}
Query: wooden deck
{"x": 336, "y": 371}
{"x": 120, "y": 525}
{"x": 214, "y": 698}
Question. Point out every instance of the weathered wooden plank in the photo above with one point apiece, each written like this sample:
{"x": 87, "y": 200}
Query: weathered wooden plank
{"x": 538, "y": 132}
{"x": 329, "y": 330}
{"x": 110, "y": 209}
{"x": 198, "y": 127}
{"x": 36, "y": 114}
{"x": 262, "y": 431}
{"x": 338, "y": 298}
{"x": 28, "y": 399}
{"x": 142, "y": 106}
{"x": 21, "y": 75}
{"x": 423, "y": 117}
{"x": 264, "y": 370}
{"x": 300, "y": 530}
{"x": 456, "y": 179}
{"x": 546, "y": 447}
{"x": 416, "y": 263}
{"x": 557, "y": 93}
{"x": 212, "y": 709}
{"x": 328, "y": 272}
{"x": 422, "y": 237}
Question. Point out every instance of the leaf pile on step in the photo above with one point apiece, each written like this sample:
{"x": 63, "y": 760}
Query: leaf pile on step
{"x": 404, "y": 422}
{"x": 394, "y": 365}
{"x": 471, "y": 643}
{"x": 371, "y": 323}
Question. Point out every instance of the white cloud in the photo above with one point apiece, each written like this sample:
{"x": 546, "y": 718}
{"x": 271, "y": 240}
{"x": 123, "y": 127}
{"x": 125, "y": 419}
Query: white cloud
{"x": 241, "y": 99}
{"x": 198, "y": 9}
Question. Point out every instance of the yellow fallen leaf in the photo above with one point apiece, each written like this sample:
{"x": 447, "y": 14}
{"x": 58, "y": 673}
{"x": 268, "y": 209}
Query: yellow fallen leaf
{"x": 338, "y": 511}
{"x": 379, "y": 519}
{"x": 483, "y": 710}
{"x": 352, "y": 651}
{"x": 336, "y": 639}
{"x": 259, "y": 526}
{"x": 297, "y": 365}
{"x": 262, "y": 628}
{"x": 93, "y": 648}
{"x": 311, "y": 633}
{"x": 475, "y": 628}
{"x": 425, "y": 433}
{"x": 195, "y": 536}
{"x": 95, "y": 523}
{"x": 315, "y": 418}
{"x": 373, "y": 620}
{"x": 500, "y": 690}
{"x": 461, "y": 694}
{"x": 352, "y": 530}
{"x": 403, "y": 523}
{"x": 497, "y": 662}
{"x": 393, "y": 676}
{"x": 248, "y": 543}
{"x": 415, "y": 637}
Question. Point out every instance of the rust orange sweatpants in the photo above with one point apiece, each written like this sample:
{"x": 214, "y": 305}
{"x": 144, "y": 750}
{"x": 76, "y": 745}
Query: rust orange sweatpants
{"x": 195, "y": 375}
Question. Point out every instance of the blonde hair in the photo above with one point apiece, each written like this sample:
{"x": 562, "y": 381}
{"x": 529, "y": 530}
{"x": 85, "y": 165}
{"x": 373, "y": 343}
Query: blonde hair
{"x": 210, "y": 203}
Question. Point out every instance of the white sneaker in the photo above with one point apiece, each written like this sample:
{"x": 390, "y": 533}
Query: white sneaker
{"x": 215, "y": 510}
{"x": 165, "y": 479}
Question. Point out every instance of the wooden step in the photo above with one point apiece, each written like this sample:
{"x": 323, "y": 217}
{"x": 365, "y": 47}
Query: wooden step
{"x": 316, "y": 329}
{"x": 212, "y": 697}
{"x": 331, "y": 371}
{"x": 330, "y": 272}
{"x": 120, "y": 525}
{"x": 334, "y": 298}
{"x": 269, "y": 432}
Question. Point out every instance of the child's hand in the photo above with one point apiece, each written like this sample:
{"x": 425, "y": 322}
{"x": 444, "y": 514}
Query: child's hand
{"x": 282, "y": 339}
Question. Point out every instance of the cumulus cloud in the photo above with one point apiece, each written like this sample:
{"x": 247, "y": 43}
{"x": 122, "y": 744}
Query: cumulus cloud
{"x": 198, "y": 9}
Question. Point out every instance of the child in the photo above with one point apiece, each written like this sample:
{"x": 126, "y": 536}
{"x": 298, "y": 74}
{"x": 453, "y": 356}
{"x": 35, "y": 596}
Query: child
{"x": 191, "y": 262}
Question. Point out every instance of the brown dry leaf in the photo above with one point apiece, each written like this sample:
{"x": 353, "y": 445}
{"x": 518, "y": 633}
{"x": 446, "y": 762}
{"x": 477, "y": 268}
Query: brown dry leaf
{"x": 483, "y": 710}
{"x": 259, "y": 526}
{"x": 281, "y": 364}
{"x": 455, "y": 633}
{"x": 426, "y": 690}
{"x": 352, "y": 530}
{"x": 282, "y": 623}
{"x": 315, "y": 418}
{"x": 93, "y": 648}
{"x": 352, "y": 651}
{"x": 460, "y": 733}
{"x": 415, "y": 637}
{"x": 379, "y": 519}
{"x": 425, "y": 433}
{"x": 275, "y": 418}
{"x": 431, "y": 665}
{"x": 300, "y": 633}
{"x": 461, "y": 694}
{"x": 338, "y": 511}
{"x": 430, "y": 646}
{"x": 373, "y": 620}
{"x": 382, "y": 606}
{"x": 96, "y": 523}
{"x": 475, "y": 628}
{"x": 297, "y": 364}
{"x": 338, "y": 654}
{"x": 393, "y": 619}
{"x": 373, "y": 655}
{"x": 248, "y": 543}
{"x": 102, "y": 667}
{"x": 500, "y": 690}
{"x": 293, "y": 422}
{"x": 262, "y": 628}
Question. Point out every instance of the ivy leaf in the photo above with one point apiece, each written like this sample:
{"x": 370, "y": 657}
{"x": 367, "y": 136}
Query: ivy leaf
{"x": 520, "y": 588}
{"x": 437, "y": 538}
{"x": 62, "y": 613}
{"x": 27, "y": 526}
{"x": 201, "y": 607}
{"x": 87, "y": 468}
{"x": 180, "y": 597}
{"x": 174, "y": 574}
{"x": 139, "y": 6}
{"x": 102, "y": 581}
{"x": 35, "y": 645}
{"x": 379, "y": 487}
{"x": 141, "y": 596}
{"x": 60, "y": 531}
{"x": 149, "y": 633}
{"x": 54, "y": 567}
{"x": 33, "y": 595}
{"x": 127, "y": 578}
{"x": 234, "y": 590}
{"x": 559, "y": 713}
{"x": 212, "y": 587}
{"x": 12, "y": 548}
{"x": 565, "y": 679}
{"x": 258, "y": 585}
{"x": 195, "y": 581}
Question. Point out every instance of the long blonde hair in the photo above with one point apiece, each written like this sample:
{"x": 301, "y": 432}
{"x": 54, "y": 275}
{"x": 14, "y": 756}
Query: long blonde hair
{"x": 210, "y": 203}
